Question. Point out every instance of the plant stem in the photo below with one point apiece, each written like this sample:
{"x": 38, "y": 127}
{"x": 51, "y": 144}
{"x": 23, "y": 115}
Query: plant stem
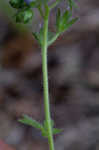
{"x": 45, "y": 81}
{"x": 40, "y": 11}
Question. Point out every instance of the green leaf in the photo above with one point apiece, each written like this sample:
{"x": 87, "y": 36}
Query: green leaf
{"x": 72, "y": 4}
{"x": 58, "y": 17}
{"x": 36, "y": 36}
{"x": 64, "y": 20}
{"x": 29, "y": 121}
{"x": 39, "y": 36}
{"x": 56, "y": 131}
{"x": 44, "y": 129}
{"x": 44, "y": 133}
{"x": 69, "y": 24}
{"x": 66, "y": 17}
{"x": 51, "y": 35}
{"x": 24, "y": 15}
{"x": 17, "y": 3}
{"x": 53, "y": 39}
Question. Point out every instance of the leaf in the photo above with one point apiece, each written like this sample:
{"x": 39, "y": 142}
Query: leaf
{"x": 44, "y": 133}
{"x": 29, "y": 121}
{"x": 66, "y": 17}
{"x": 24, "y": 15}
{"x": 51, "y": 38}
{"x": 64, "y": 20}
{"x": 28, "y": 15}
{"x": 56, "y": 131}
{"x": 41, "y": 36}
{"x": 50, "y": 35}
{"x": 69, "y": 24}
{"x": 38, "y": 36}
{"x": 44, "y": 129}
{"x": 58, "y": 17}
{"x": 17, "y": 3}
{"x": 72, "y": 4}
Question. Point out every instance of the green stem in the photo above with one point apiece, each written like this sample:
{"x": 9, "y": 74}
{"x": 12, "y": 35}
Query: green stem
{"x": 41, "y": 11}
{"x": 45, "y": 81}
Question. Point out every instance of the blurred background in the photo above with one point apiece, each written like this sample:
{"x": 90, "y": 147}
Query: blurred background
{"x": 73, "y": 62}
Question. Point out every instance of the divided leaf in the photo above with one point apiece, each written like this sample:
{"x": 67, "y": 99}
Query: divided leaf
{"x": 69, "y": 24}
{"x": 39, "y": 37}
{"x": 72, "y": 4}
{"x": 24, "y": 15}
{"x": 45, "y": 130}
{"x": 66, "y": 17}
{"x": 29, "y": 121}
{"x": 63, "y": 22}
{"x": 56, "y": 131}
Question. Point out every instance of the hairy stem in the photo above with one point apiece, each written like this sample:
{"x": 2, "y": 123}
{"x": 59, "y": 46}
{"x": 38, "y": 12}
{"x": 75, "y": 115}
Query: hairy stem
{"x": 45, "y": 81}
